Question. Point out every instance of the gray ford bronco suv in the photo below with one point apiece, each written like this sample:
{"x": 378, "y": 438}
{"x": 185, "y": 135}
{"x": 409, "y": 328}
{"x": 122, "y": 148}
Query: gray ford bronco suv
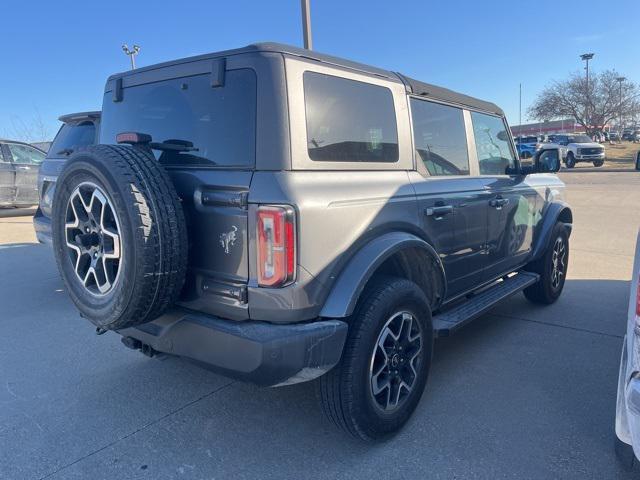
{"x": 280, "y": 216}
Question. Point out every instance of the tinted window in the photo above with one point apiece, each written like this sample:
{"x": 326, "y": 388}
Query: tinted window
{"x": 220, "y": 122}
{"x": 580, "y": 139}
{"x": 493, "y": 145}
{"x": 440, "y": 138}
{"x": 72, "y": 137}
{"x": 25, "y": 154}
{"x": 349, "y": 121}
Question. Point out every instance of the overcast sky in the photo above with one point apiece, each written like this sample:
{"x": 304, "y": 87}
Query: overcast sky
{"x": 56, "y": 55}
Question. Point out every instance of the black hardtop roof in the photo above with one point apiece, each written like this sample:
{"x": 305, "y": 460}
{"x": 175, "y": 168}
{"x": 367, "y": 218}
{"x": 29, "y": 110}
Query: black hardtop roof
{"x": 413, "y": 86}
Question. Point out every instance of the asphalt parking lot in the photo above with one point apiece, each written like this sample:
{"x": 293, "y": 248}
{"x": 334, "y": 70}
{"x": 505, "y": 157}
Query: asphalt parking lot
{"x": 523, "y": 392}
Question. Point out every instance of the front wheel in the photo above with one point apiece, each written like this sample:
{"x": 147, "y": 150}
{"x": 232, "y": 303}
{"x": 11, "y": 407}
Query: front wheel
{"x": 571, "y": 160}
{"x": 552, "y": 268}
{"x": 638, "y": 161}
{"x": 378, "y": 383}
{"x": 598, "y": 163}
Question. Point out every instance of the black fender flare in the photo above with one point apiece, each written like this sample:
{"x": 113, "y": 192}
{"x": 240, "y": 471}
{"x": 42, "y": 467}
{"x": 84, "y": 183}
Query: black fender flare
{"x": 350, "y": 283}
{"x": 556, "y": 211}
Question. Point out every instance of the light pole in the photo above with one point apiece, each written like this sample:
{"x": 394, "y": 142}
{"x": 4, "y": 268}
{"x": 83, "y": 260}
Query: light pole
{"x": 131, "y": 53}
{"x": 620, "y": 80}
{"x": 520, "y": 110}
{"x": 586, "y": 57}
{"x": 306, "y": 24}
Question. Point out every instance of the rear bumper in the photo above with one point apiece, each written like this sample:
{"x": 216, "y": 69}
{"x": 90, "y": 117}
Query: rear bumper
{"x": 42, "y": 226}
{"x": 258, "y": 352}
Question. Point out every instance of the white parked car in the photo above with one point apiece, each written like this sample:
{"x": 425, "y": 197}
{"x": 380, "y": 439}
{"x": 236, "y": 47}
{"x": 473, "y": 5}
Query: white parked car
{"x": 628, "y": 404}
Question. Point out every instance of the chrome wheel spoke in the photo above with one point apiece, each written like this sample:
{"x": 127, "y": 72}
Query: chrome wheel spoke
{"x": 558, "y": 262}
{"x": 395, "y": 361}
{"x": 93, "y": 240}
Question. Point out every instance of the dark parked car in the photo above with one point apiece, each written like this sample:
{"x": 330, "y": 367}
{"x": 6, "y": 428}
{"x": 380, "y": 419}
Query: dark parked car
{"x": 78, "y": 131}
{"x": 19, "y": 165}
{"x": 282, "y": 216}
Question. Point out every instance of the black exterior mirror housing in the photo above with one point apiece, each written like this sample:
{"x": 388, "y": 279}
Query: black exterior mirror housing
{"x": 546, "y": 160}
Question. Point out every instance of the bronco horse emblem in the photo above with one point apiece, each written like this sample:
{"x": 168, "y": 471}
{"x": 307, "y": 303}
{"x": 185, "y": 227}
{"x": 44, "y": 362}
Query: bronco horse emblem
{"x": 228, "y": 239}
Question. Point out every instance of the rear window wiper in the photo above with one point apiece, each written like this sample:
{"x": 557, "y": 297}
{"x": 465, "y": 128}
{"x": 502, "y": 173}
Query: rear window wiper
{"x": 145, "y": 140}
{"x": 174, "y": 145}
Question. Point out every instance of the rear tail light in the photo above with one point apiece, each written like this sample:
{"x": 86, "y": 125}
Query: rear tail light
{"x": 276, "y": 246}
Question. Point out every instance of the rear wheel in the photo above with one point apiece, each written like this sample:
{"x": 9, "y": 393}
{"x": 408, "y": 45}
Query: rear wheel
{"x": 378, "y": 383}
{"x": 552, "y": 268}
{"x": 638, "y": 161}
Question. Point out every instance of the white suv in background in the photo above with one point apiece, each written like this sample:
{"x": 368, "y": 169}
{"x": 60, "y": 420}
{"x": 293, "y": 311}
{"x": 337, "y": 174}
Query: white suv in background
{"x": 580, "y": 148}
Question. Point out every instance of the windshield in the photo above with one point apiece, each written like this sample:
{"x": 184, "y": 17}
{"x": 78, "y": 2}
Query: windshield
{"x": 528, "y": 140}
{"x": 580, "y": 139}
{"x": 71, "y": 137}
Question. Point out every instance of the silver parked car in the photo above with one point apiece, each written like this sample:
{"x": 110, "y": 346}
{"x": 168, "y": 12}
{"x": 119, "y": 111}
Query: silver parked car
{"x": 628, "y": 404}
{"x": 19, "y": 166}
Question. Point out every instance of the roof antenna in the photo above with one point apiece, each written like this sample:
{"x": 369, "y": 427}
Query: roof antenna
{"x": 306, "y": 24}
{"x": 131, "y": 53}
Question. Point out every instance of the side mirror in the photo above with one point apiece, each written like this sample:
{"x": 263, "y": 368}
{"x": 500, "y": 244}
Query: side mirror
{"x": 547, "y": 160}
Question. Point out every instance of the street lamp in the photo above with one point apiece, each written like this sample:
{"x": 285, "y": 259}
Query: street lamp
{"x": 620, "y": 80}
{"x": 131, "y": 53}
{"x": 586, "y": 57}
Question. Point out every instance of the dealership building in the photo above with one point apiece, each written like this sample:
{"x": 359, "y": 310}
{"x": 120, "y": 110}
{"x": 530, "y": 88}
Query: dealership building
{"x": 567, "y": 125}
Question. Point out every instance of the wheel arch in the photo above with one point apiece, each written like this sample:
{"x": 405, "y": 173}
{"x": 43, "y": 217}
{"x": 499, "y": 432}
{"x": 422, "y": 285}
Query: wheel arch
{"x": 556, "y": 212}
{"x": 392, "y": 253}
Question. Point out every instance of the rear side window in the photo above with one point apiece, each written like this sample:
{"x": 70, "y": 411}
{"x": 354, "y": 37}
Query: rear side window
{"x": 26, "y": 155}
{"x": 349, "y": 121}
{"x": 71, "y": 137}
{"x": 220, "y": 122}
{"x": 493, "y": 145}
{"x": 440, "y": 138}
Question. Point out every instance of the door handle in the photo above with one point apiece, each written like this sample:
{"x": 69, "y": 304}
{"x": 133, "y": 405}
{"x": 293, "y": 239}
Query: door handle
{"x": 439, "y": 211}
{"x": 23, "y": 168}
{"x": 498, "y": 203}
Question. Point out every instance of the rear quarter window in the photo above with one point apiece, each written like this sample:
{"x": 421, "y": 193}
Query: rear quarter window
{"x": 348, "y": 120}
{"x": 220, "y": 122}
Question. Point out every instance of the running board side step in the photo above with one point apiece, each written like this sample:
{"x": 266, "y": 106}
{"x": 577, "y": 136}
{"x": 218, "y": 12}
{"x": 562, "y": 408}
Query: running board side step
{"x": 448, "y": 322}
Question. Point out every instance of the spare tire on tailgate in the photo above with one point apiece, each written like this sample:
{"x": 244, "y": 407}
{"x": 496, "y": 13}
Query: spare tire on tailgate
{"x": 119, "y": 235}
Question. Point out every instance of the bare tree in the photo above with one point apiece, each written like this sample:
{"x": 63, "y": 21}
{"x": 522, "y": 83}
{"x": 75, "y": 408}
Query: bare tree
{"x": 606, "y": 99}
{"x": 33, "y": 130}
